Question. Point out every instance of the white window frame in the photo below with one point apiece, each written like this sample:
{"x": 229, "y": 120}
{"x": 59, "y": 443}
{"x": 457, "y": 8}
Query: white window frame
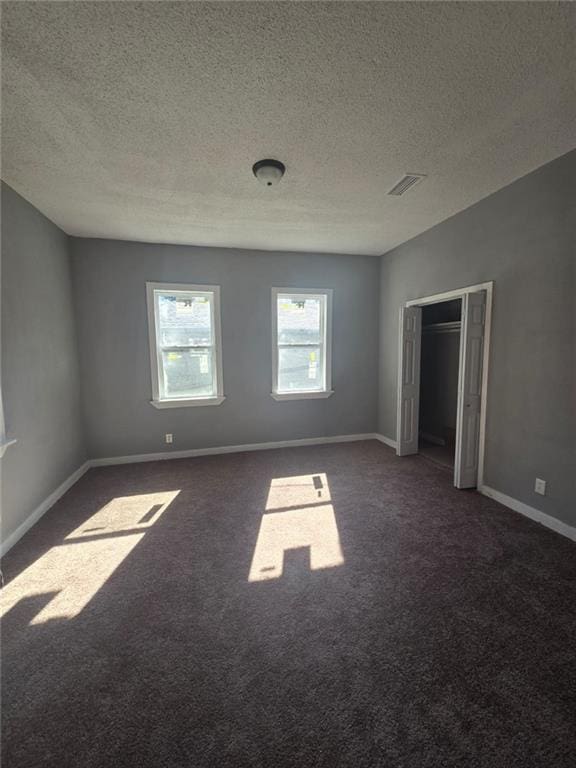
{"x": 5, "y": 443}
{"x": 152, "y": 290}
{"x": 326, "y": 294}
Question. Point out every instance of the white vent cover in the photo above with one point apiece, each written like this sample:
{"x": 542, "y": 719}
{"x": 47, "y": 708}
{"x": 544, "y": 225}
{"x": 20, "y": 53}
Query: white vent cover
{"x": 406, "y": 182}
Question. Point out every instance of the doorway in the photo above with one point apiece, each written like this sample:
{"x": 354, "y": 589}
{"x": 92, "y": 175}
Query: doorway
{"x": 439, "y": 368}
{"x": 442, "y": 379}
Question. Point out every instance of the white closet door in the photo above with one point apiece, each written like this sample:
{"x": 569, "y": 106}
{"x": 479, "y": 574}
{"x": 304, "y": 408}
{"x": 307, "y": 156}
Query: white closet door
{"x": 469, "y": 390}
{"x": 409, "y": 380}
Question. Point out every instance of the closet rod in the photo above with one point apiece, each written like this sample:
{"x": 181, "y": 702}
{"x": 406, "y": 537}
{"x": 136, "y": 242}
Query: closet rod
{"x": 452, "y": 327}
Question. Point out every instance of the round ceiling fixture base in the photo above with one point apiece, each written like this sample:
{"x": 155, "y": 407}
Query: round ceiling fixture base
{"x": 268, "y": 172}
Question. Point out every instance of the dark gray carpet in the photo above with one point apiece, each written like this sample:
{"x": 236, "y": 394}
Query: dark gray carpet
{"x": 446, "y": 637}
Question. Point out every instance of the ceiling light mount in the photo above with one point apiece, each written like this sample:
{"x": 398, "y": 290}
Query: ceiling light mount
{"x": 268, "y": 172}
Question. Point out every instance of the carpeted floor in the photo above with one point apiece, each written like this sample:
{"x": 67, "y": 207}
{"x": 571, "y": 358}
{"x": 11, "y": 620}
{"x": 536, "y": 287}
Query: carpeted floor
{"x": 329, "y": 606}
{"x": 441, "y": 454}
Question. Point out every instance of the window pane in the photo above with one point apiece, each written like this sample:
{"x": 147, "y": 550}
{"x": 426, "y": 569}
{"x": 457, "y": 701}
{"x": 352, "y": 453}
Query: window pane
{"x": 188, "y": 373}
{"x": 300, "y": 369}
{"x": 184, "y": 320}
{"x": 299, "y": 320}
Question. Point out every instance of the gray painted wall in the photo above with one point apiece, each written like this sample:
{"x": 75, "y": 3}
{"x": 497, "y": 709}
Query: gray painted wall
{"x": 40, "y": 376}
{"x": 109, "y": 280}
{"x": 524, "y": 238}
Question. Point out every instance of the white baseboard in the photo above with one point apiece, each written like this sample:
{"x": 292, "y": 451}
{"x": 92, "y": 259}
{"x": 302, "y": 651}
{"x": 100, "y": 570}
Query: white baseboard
{"x": 187, "y": 454}
{"x": 386, "y": 440}
{"x": 528, "y": 511}
{"x": 42, "y": 508}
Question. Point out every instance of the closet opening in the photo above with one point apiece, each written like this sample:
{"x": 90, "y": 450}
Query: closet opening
{"x": 439, "y": 368}
{"x": 441, "y": 410}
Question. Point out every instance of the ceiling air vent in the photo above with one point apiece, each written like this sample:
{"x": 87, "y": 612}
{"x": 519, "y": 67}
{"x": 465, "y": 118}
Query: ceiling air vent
{"x": 406, "y": 183}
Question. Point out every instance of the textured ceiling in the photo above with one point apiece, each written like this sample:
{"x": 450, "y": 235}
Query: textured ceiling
{"x": 141, "y": 121}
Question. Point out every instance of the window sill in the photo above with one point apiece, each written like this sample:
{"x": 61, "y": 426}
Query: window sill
{"x": 4, "y": 446}
{"x": 188, "y": 403}
{"x": 302, "y": 395}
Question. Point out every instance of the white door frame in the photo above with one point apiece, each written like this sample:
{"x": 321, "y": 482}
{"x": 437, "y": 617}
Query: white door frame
{"x": 458, "y": 293}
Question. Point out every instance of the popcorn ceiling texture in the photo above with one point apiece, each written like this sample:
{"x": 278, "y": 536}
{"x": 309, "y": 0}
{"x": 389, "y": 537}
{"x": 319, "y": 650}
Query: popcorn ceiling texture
{"x": 142, "y": 120}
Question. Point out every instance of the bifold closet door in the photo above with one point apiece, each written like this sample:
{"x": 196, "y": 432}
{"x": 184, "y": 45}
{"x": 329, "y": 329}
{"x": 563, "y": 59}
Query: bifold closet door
{"x": 469, "y": 390}
{"x": 409, "y": 380}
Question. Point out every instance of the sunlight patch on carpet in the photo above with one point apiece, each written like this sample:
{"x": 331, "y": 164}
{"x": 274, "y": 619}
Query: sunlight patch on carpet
{"x": 298, "y": 516}
{"x": 77, "y": 568}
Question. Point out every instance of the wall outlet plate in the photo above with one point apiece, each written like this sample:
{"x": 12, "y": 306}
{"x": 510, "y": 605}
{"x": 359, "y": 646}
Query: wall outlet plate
{"x": 168, "y": 437}
{"x": 540, "y": 486}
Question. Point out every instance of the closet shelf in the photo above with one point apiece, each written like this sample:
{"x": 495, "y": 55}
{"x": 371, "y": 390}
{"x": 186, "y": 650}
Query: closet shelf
{"x": 451, "y": 327}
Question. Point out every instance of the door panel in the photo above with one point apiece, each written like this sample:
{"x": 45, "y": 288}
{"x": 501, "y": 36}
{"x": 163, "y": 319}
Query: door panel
{"x": 409, "y": 380}
{"x": 469, "y": 390}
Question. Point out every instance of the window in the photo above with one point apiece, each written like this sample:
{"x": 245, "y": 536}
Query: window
{"x": 185, "y": 344}
{"x": 4, "y": 442}
{"x": 301, "y": 343}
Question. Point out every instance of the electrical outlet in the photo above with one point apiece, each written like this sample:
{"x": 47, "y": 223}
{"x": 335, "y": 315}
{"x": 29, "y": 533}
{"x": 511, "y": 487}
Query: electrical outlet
{"x": 540, "y": 486}
{"x": 168, "y": 437}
